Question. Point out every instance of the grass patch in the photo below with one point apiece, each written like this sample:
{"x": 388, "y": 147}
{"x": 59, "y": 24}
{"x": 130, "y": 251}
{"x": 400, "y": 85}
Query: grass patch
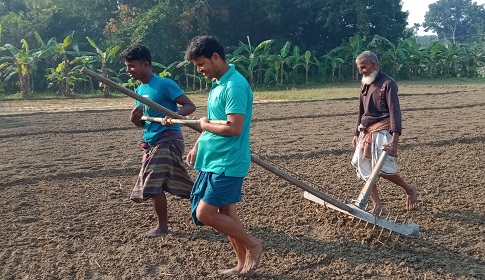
{"x": 301, "y": 92}
{"x": 319, "y": 92}
{"x": 54, "y": 95}
{"x": 351, "y": 90}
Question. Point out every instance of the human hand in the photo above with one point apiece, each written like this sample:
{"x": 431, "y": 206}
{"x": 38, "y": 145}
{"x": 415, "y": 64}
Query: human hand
{"x": 190, "y": 160}
{"x": 354, "y": 141}
{"x": 166, "y": 121}
{"x": 203, "y": 121}
{"x": 391, "y": 149}
{"x": 136, "y": 114}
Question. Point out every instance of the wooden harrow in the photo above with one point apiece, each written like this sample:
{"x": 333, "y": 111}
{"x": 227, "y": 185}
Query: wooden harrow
{"x": 356, "y": 210}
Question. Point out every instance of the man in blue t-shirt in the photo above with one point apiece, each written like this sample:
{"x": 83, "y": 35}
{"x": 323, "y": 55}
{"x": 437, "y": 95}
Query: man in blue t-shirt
{"x": 163, "y": 169}
{"x": 222, "y": 153}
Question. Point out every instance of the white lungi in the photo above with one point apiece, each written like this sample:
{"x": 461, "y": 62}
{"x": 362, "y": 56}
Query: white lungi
{"x": 364, "y": 166}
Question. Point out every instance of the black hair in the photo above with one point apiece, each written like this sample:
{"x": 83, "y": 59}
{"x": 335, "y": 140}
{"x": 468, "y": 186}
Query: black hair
{"x": 136, "y": 52}
{"x": 204, "y": 46}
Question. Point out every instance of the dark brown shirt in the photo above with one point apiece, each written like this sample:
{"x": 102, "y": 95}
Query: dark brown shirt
{"x": 378, "y": 101}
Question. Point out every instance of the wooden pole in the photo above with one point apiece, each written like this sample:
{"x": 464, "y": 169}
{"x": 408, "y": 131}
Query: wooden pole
{"x": 364, "y": 195}
{"x": 179, "y": 121}
{"x": 138, "y": 97}
{"x": 254, "y": 159}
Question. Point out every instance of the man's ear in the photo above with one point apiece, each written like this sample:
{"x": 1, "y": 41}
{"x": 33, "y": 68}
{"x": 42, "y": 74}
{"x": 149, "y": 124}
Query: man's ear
{"x": 216, "y": 56}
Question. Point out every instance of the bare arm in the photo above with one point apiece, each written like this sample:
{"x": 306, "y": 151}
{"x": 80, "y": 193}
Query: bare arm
{"x": 393, "y": 145}
{"x": 236, "y": 122}
{"x": 186, "y": 109}
{"x": 136, "y": 115}
{"x": 188, "y": 106}
{"x": 193, "y": 153}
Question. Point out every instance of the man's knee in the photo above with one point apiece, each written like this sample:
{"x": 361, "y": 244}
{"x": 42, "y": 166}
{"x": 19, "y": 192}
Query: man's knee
{"x": 204, "y": 214}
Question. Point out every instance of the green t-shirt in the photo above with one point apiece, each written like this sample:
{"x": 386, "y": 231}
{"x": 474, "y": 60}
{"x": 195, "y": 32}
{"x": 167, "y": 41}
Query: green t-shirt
{"x": 162, "y": 91}
{"x": 230, "y": 155}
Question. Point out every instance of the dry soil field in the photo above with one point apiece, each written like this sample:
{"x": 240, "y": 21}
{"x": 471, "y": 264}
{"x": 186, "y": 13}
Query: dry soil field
{"x": 68, "y": 167}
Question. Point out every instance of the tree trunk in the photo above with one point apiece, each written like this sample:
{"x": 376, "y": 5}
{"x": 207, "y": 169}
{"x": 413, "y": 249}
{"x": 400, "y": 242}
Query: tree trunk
{"x": 186, "y": 78}
{"x": 25, "y": 85}
{"x": 66, "y": 89}
{"x": 193, "y": 80}
{"x": 104, "y": 71}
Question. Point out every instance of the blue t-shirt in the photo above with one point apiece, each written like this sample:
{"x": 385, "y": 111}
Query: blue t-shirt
{"x": 162, "y": 91}
{"x": 229, "y": 154}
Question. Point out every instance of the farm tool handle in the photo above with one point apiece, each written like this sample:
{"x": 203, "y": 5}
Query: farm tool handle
{"x": 196, "y": 127}
{"x": 179, "y": 121}
{"x": 364, "y": 195}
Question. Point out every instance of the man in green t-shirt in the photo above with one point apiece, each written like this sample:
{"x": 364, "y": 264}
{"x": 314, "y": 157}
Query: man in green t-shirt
{"x": 163, "y": 168}
{"x": 222, "y": 153}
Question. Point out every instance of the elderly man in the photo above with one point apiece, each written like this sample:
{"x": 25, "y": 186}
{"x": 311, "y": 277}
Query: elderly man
{"x": 378, "y": 124}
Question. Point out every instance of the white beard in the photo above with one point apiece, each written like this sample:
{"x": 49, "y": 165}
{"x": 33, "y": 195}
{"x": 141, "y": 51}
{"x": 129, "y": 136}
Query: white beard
{"x": 367, "y": 80}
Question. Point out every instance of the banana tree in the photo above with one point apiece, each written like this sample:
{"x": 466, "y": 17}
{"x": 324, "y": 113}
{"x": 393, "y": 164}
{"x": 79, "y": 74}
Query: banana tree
{"x": 277, "y": 63}
{"x": 393, "y": 56}
{"x": 334, "y": 58}
{"x": 434, "y": 57}
{"x": 83, "y": 60}
{"x": 417, "y": 58}
{"x": 350, "y": 51}
{"x": 248, "y": 58}
{"x": 184, "y": 64}
{"x": 294, "y": 62}
{"x": 104, "y": 57}
{"x": 21, "y": 62}
{"x": 297, "y": 60}
{"x": 450, "y": 56}
{"x": 166, "y": 70}
{"x": 471, "y": 60}
{"x": 61, "y": 75}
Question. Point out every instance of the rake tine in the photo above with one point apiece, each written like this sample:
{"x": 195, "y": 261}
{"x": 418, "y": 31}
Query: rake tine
{"x": 395, "y": 221}
{"x": 380, "y": 212}
{"x": 382, "y": 229}
{"x": 376, "y": 217}
{"x": 389, "y": 215}
{"x": 375, "y": 220}
{"x": 379, "y": 237}
{"x": 380, "y": 234}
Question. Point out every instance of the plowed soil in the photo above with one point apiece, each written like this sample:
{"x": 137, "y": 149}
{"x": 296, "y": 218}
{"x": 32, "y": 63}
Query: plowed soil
{"x": 68, "y": 167}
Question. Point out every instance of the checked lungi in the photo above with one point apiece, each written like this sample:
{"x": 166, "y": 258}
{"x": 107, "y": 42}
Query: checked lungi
{"x": 163, "y": 169}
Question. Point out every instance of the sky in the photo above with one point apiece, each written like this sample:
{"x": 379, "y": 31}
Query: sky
{"x": 418, "y": 8}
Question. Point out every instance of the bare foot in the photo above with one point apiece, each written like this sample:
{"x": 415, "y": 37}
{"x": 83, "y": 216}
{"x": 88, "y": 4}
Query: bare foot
{"x": 156, "y": 232}
{"x": 412, "y": 198}
{"x": 230, "y": 271}
{"x": 253, "y": 257}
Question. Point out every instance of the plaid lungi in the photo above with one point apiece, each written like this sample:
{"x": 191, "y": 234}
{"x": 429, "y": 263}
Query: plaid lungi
{"x": 163, "y": 169}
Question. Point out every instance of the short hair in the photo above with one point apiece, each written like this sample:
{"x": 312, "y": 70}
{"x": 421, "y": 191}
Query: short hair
{"x": 136, "y": 52}
{"x": 367, "y": 56}
{"x": 204, "y": 46}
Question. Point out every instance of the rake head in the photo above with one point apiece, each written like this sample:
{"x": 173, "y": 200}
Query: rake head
{"x": 393, "y": 225}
